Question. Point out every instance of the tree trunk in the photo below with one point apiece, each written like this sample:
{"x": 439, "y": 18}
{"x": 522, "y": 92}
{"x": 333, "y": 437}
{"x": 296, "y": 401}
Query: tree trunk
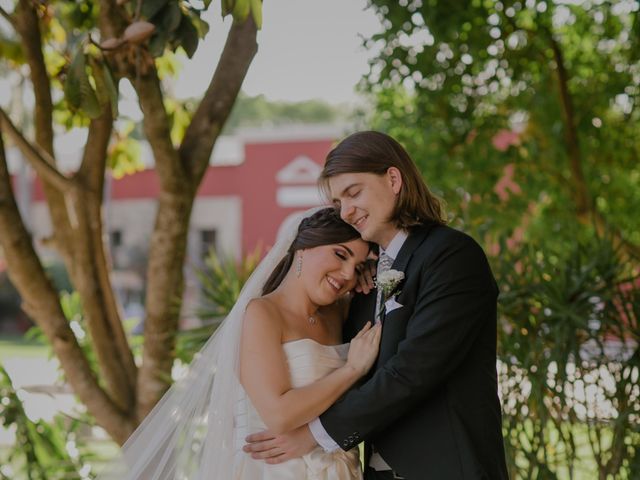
{"x": 41, "y": 302}
{"x": 75, "y": 205}
{"x": 165, "y": 285}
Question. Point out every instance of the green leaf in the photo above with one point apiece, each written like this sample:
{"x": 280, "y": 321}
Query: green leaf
{"x": 169, "y": 17}
{"x": 158, "y": 42}
{"x": 256, "y": 11}
{"x": 72, "y": 82}
{"x": 89, "y": 103}
{"x": 11, "y": 50}
{"x": 241, "y": 9}
{"x": 112, "y": 88}
{"x": 188, "y": 36}
{"x": 227, "y": 7}
{"x": 201, "y": 26}
{"x": 151, "y": 7}
{"x": 97, "y": 71}
{"x": 78, "y": 89}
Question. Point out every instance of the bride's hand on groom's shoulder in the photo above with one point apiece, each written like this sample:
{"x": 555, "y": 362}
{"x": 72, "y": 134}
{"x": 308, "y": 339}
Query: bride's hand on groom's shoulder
{"x": 275, "y": 449}
{"x": 366, "y": 275}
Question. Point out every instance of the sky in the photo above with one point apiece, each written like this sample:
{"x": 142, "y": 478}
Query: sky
{"x": 306, "y": 49}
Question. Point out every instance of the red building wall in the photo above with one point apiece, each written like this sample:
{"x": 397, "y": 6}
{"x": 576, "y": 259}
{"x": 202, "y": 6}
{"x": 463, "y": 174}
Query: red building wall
{"x": 254, "y": 181}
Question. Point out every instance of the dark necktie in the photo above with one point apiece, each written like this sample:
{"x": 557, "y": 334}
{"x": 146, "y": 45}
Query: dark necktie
{"x": 384, "y": 264}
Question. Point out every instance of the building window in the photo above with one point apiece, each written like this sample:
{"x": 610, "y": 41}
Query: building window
{"x": 207, "y": 242}
{"x": 115, "y": 238}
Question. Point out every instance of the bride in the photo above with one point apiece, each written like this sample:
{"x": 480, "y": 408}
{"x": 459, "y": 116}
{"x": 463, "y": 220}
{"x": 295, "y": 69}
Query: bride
{"x": 276, "y": 362}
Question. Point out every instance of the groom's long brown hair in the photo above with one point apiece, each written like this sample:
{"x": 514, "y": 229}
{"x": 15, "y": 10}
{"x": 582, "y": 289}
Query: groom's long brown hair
{"x": 374, "y": 152}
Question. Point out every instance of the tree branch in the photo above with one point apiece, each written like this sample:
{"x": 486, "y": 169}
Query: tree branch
{"x": 216, "y": 105}
{"x": 41, "y": 303}
{"x": 40, "y": 159}
{"x": 27, "y": 25}
{"x": 94, "y": 157}
{"x": 91, "y": 175}
{"x": 112, "y": 19}
{"x": 7, "y": 16}
{"x": 165, "y": 287}
{"x": 157, "y": 129}
{"x": 168, "y": 244}
{"x": 572, "y": 143}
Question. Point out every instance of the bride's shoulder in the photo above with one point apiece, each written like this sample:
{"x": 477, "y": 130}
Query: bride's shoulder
{"x": 262, "y": 311}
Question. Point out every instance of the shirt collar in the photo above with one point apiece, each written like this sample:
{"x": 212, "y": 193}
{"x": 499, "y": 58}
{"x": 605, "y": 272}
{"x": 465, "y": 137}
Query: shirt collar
{"x": 396, "y": 244}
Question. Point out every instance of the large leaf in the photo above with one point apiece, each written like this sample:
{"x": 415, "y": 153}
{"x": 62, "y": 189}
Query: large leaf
{"x": 187, "y": 36}
{"x": 201, "y": 26}
{"x": 78, "y": 89}
{"x": 158, "y": 42}
{"x": 227, "y": 7}
{"x": 171, "y": 15}
{"x": 72, "y": 82}
{"x": 241, "y": 9}
{"x": 106, "y": 89}
{"x": 112, "y": 88}
{"x": 151, "y": 7}
{"x": 256, "y": 12}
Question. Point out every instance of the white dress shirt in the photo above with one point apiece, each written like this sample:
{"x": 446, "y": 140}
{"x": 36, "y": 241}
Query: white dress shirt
{"x": 317, "y": 430}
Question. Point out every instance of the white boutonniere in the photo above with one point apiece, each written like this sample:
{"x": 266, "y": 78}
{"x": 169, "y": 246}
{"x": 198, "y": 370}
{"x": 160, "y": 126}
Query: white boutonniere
{"x": 388, "y": 283}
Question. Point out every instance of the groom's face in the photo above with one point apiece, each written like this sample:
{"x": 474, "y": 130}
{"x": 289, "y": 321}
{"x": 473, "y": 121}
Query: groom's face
{"x": 367, "y": 201}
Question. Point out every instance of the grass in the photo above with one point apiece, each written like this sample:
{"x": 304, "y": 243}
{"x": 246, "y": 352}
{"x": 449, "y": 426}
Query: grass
{"x": 16, "y": 346}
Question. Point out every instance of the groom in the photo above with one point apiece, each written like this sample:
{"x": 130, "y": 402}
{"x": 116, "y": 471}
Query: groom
{"x": 429, "y": 409}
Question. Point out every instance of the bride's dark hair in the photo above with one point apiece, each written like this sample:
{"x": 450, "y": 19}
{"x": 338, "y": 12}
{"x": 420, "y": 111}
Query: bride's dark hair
{"x": 324, "y": 227}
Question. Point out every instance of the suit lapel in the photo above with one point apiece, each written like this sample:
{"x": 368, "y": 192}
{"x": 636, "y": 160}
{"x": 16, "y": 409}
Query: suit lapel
{"x": 388, "y": 343}
{"x": 412, "y": 242}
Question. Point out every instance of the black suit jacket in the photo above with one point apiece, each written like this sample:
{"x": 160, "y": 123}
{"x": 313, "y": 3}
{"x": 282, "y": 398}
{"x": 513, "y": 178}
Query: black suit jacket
{"x": 430, "y": 406}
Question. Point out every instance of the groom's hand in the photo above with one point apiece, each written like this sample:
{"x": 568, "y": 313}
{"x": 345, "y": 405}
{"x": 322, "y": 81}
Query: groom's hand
{"x": 366, "y": 275}
{"x": 280, "y": 448}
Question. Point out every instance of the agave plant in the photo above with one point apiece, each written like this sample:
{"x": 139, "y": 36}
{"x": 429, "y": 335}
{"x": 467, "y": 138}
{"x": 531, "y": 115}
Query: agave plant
{"x": 221, "y": 280}
{"x": 570, "y": 360}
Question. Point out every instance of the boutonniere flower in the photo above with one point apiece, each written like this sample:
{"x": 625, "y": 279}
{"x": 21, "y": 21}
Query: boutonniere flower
{"x": 388, "y": 283}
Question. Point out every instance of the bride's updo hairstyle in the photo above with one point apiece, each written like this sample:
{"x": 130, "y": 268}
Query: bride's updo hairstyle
{"x": 324, "y": 227}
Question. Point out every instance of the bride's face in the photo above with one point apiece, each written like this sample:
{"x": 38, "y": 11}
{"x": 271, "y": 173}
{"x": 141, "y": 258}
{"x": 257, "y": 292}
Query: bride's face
{"x": 330, "y": 271}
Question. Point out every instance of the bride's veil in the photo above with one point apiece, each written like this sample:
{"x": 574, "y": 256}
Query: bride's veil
{"x": 190, "y": 433}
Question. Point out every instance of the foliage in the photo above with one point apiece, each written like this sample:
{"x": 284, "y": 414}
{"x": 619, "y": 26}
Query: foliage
{"x": 221, "y": 281}
{"x": 167, "y": 25}
{"x": 46, "y": 451}
{"x": 72, "y": 308}
{"x": 259, "y": 112}
{"x": 523, "y": 115}
{"x": 569, "y": 360}
{"x": 10, "y": 298}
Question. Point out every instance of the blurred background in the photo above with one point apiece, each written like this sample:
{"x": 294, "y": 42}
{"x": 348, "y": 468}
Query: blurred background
{"x": 151, "y": 150}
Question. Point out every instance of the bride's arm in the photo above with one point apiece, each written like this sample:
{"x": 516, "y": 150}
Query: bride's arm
{"x": 264, "y": 373}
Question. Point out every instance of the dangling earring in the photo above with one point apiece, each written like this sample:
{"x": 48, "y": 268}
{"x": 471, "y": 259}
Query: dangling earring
{"x": 299, "y": 266}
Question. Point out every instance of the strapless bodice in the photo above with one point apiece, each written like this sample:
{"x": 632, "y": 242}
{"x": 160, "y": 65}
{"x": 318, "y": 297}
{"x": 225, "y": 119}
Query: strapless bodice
{"x": 308, "y": 361}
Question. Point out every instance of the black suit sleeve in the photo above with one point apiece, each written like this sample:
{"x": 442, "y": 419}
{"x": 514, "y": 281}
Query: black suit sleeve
{"x": 455, "y": 296}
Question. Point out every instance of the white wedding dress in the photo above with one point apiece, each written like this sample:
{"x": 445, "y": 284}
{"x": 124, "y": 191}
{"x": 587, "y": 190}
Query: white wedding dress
{"x": 308, "y": 361}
